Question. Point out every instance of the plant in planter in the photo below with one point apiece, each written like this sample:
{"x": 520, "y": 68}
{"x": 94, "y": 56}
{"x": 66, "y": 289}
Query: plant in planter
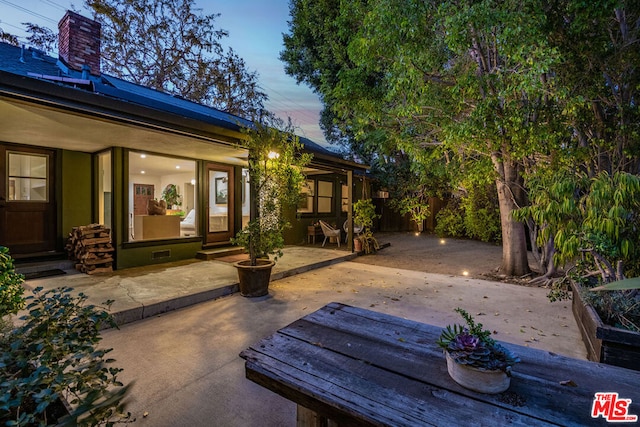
{"x": 474, "y": 359}
{"x": 593, "y": 224}
{"x": 275, "y": 176}
{"x": 364, "y": 212}
{"x": 171, "y": 197}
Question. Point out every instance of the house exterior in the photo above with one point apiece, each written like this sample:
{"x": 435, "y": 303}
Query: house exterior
{"x": 79, "y": 147}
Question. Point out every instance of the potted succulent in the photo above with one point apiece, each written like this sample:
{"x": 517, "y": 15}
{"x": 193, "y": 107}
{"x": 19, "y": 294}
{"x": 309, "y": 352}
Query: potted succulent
{"x": 275, "y": 176}
{"x": 364, "y": 212}
{"x": 474, "y": 359}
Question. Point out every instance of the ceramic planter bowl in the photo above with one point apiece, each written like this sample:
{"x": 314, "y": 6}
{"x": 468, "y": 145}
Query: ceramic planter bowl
{"x": 489, "y": 382}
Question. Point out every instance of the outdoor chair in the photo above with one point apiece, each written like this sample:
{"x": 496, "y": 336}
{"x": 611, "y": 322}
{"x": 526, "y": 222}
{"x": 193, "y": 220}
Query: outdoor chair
{"x": 357, "y": 229}
{"x": 329, "y": 232}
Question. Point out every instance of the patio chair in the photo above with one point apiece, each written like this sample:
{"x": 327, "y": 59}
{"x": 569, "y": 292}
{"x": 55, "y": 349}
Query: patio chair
{"x": 329, "y": 232}
{"x": 357, "y": 229}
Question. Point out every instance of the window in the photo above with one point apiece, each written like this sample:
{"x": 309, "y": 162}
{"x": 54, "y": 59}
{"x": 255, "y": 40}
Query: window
{"x": 325, "y": 197}
{"x": 345, "y": 198}
{"x": 27, "y": 177}
{"x": 149, "y": 177}
{"x": 104, "y": 189}
{"x": 246, "y": 199}
{"x": 306, "y": 197}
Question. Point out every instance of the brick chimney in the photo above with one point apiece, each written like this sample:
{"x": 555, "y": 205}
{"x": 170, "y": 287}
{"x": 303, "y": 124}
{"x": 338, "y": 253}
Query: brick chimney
{"x": 79, "y": 42}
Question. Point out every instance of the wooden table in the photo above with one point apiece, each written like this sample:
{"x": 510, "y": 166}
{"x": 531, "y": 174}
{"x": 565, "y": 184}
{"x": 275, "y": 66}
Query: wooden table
{"x": 350, "y": 366}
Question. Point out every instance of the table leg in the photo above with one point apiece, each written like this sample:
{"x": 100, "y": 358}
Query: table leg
{"x": 307, "y": 418}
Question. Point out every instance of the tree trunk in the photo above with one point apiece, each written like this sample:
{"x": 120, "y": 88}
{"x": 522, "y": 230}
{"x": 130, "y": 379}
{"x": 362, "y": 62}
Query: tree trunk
{"x": 515, "y": 261}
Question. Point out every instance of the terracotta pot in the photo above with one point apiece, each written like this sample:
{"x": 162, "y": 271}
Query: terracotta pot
{"x": 357, "y": 245}
{"x": 254, "y": 280}
{"x": 489, "y": 382}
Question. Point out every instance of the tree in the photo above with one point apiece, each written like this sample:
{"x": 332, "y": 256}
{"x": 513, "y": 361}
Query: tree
{"x": 598, "y": 42}
{"x": 276, "y": 174}
{"x": 8, "y": 38}
{"x": 474, "y": 76}
{"x": 41, "y": 37}
{"x": 165, "y": 45}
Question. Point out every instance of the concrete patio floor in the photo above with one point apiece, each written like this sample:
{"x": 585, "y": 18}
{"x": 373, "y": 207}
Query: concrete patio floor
{"x": 183, "y": 357}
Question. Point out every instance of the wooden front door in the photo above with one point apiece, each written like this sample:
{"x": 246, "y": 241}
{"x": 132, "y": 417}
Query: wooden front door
{"x": 220, "y": 203}
{"x": 27, "y": 200}
{"x": 142, "y": 193}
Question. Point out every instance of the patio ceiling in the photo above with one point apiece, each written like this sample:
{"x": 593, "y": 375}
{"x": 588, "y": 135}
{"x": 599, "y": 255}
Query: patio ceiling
{"x": 41, "y": 125}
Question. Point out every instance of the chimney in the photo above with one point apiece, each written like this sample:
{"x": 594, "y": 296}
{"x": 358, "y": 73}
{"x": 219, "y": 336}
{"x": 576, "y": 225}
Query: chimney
{"x": 79, "y": 42}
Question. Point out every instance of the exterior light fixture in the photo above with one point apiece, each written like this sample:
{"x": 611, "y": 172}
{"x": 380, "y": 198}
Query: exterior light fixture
{"x": 143, "y": 156}
{"x": 273, "y": 155}
{"x": 193, "y": 182}
{"x": 142, "y": 172}
{"x": 178, "y": 167}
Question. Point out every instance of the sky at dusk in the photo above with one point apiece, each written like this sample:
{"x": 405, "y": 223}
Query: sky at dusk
{"x": 255, "y": 32}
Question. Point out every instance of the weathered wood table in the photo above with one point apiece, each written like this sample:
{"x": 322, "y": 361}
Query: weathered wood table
{"x": 349, "y": 366}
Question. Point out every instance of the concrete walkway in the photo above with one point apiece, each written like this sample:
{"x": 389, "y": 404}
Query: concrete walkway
{"x": 184, "y": 363}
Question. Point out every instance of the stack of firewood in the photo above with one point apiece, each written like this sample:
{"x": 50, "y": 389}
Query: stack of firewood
{"x": 89, "y": 246}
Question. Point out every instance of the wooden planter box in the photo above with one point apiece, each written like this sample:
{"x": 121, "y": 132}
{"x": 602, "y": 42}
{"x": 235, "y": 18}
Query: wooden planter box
{"x": 605, "y": 344}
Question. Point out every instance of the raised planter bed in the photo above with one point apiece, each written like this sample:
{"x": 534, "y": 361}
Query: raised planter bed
{"x": 604, "y": 343}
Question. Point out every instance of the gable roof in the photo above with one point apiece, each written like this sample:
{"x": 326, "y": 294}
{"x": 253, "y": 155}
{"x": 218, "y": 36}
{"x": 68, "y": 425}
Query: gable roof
{"x": 111, "y": 92}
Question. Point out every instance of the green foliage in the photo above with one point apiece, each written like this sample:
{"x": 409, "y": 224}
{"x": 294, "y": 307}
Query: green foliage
{"x": 597, "y": 218}
{"x": 472, "y": 345}
{"x": 11, "y": 290}
{"x": 364, "y": 213}
{"x": 594, "y": 223}
{"x": 481, "y": 214}
{"x": 620, "y": 285}
{"x": 450, "y": 221}
{"x": 415, "y": 205}
{"x": 53, "y": 355}
{"x": 474, "y": 215}
{"x": 276, "y": 175}
{"x": 171, "y": 196}
{"x": 408, "y": 76}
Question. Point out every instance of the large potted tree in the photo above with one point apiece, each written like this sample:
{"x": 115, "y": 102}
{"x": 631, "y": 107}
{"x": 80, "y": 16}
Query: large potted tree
{"x": 276, "y": 174}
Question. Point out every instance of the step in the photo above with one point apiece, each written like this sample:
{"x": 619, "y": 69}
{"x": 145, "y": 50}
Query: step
{"x": 209, "y": 254}
{"x": 40, "y": 269}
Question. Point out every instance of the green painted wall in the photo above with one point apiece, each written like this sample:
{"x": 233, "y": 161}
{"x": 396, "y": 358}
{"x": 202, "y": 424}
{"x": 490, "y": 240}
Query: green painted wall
{"x": 136, "y": 256}
{"x": 75, "y": 191}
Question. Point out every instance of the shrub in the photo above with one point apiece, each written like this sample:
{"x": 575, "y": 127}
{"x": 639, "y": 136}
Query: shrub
{"x": 450, "y": 221}
{"x": 51, "y": 356}
{"x": 11, "y": 290}
{"x": 482, "y": 215}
